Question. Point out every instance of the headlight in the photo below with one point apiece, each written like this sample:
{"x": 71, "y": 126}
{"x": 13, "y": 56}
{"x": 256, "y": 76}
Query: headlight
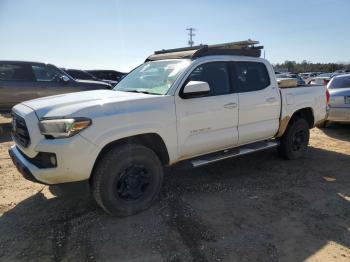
{"x": 63, "y": 127}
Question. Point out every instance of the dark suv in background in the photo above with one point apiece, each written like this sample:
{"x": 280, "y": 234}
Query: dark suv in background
{"x": 80, "y": 74}
{"x": 84, "y": 75}
{"x": 20, "y": 81}
{"x": 107, "y": 74}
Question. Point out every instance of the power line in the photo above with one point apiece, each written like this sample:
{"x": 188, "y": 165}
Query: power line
{"x": 191, "y": 35}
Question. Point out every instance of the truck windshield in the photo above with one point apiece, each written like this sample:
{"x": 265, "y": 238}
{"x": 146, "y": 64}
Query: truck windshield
{"x": 154, "y": 77}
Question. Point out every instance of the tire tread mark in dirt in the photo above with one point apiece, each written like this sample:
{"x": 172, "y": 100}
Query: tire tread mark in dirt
{"x": 62, "y": 230}
{"x": 60, "y": 240}
{"x": 191, "y": 229}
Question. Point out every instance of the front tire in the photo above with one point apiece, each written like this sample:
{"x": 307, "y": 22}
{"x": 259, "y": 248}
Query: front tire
{"x": 295, "y": 140}
{"x": 127, "y": 179}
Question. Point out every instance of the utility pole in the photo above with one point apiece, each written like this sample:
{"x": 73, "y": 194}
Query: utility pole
{"x": 191, "y": 35}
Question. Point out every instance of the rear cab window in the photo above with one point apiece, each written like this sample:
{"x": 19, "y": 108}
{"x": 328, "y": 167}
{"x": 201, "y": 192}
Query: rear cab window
{"x": 250, "y": 76}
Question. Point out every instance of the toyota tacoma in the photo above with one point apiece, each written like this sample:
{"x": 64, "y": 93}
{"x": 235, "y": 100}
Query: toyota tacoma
{"x": 192, "y": 105}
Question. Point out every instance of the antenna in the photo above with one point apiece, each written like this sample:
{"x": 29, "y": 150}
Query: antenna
{"x": 191, "y": 35}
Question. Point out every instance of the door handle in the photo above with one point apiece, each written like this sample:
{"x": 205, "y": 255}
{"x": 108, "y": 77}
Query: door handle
{"x": 271, "y": 99}
{"x": 230, "y": 105}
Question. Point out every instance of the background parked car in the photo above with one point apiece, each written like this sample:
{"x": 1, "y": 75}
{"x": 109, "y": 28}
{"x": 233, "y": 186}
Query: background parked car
{"x": 299, "y": 79}
{"x": 308, "y": 77}
{"x": 84, "y": 75}
{"x": 107, "y": 74}
{"x": 342, "y": 71}
{"x": 321, "y": 79}
{"x": 80, "y": 74}
{"x": 339, "y": 72}
{"x": 20, "y": 81}
{"x": 339, "y": 89}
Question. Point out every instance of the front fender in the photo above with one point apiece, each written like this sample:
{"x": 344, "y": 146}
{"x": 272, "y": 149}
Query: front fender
{"x": 167, "y": 133}
{"x": 115, "y": 134}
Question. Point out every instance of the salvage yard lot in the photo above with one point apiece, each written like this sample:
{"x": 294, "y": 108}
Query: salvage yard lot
{"x": 253, "y": 208}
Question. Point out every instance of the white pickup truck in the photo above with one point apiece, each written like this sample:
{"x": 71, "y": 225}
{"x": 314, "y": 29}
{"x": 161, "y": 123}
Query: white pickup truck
{"x": 192, "y": 105}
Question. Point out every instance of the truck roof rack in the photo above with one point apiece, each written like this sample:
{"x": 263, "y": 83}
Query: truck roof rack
{"x": 243, "y": 48}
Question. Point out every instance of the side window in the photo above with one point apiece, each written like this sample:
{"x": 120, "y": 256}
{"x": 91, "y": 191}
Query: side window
{"x": 215, "y": 74}
{"x": 251, "y": 76}
{"x": 46, "y": 74}
{"x": 15, "y": 72}
{"x": 101, "y": 75}
{"x": 118, "y": 76}
{"x": 77, "y": 74}
{"x": 113, "y": 76}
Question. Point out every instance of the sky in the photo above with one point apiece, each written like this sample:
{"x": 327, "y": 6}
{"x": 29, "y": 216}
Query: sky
{"x": 120, "y": 34}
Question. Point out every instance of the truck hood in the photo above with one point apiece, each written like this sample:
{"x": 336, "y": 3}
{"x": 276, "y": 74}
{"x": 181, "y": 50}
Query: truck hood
{"x": 96, "y": 101}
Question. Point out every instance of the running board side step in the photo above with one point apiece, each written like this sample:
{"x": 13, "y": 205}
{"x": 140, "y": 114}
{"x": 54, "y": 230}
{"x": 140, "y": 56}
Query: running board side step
{"x": 234, "y": 152}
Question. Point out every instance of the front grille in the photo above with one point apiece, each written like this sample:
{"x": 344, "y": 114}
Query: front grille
{"x": 19, "y": 130}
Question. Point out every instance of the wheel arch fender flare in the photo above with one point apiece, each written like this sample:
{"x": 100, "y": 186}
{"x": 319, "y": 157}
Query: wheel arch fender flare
{"x": 307, "y": 113}
{"x": 151, "y": 140}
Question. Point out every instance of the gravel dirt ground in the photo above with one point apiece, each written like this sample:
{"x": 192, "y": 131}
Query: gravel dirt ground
{"x": 253, "y": 208}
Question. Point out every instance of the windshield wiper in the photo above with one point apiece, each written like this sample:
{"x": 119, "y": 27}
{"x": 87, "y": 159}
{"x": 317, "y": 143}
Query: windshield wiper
{"x": 140, "y": 91}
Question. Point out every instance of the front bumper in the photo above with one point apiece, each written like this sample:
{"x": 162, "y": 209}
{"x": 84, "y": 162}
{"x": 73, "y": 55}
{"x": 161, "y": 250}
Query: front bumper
{"x": 20, "y": 162}
{"x": 75, "y": 160}
{"x": 75, "y": 156}
{"x": 339, "y": 114}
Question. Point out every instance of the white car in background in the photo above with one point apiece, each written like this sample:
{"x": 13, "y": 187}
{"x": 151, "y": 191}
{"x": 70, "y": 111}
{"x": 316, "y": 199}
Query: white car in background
{"x": 321, "y": 79}
{"x": 308, "y": 77}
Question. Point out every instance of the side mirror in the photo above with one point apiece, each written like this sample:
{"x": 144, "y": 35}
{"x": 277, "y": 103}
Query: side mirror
{"x": 195, "y": 89}
{"x": 64, "y": 79}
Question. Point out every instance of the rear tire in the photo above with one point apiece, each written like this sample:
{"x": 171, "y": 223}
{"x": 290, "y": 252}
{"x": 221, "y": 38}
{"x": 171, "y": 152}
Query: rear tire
{"x": 127, "y": 179}
{"x": 295, "y": 140}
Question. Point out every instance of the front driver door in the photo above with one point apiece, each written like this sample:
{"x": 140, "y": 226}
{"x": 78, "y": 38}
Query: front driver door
{"x": 207, "y": 124}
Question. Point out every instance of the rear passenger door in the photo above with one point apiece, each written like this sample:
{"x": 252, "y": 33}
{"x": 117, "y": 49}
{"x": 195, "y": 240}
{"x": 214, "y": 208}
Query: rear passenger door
{"x": 259, "y": 102}
{"x": 16, "y": 84}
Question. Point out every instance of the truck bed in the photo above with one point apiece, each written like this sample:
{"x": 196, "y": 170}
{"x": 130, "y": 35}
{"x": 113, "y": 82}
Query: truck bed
{"x": 313, "y": 97}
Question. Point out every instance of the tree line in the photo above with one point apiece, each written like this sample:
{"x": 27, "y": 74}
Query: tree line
{"x": 306, "y": 66}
